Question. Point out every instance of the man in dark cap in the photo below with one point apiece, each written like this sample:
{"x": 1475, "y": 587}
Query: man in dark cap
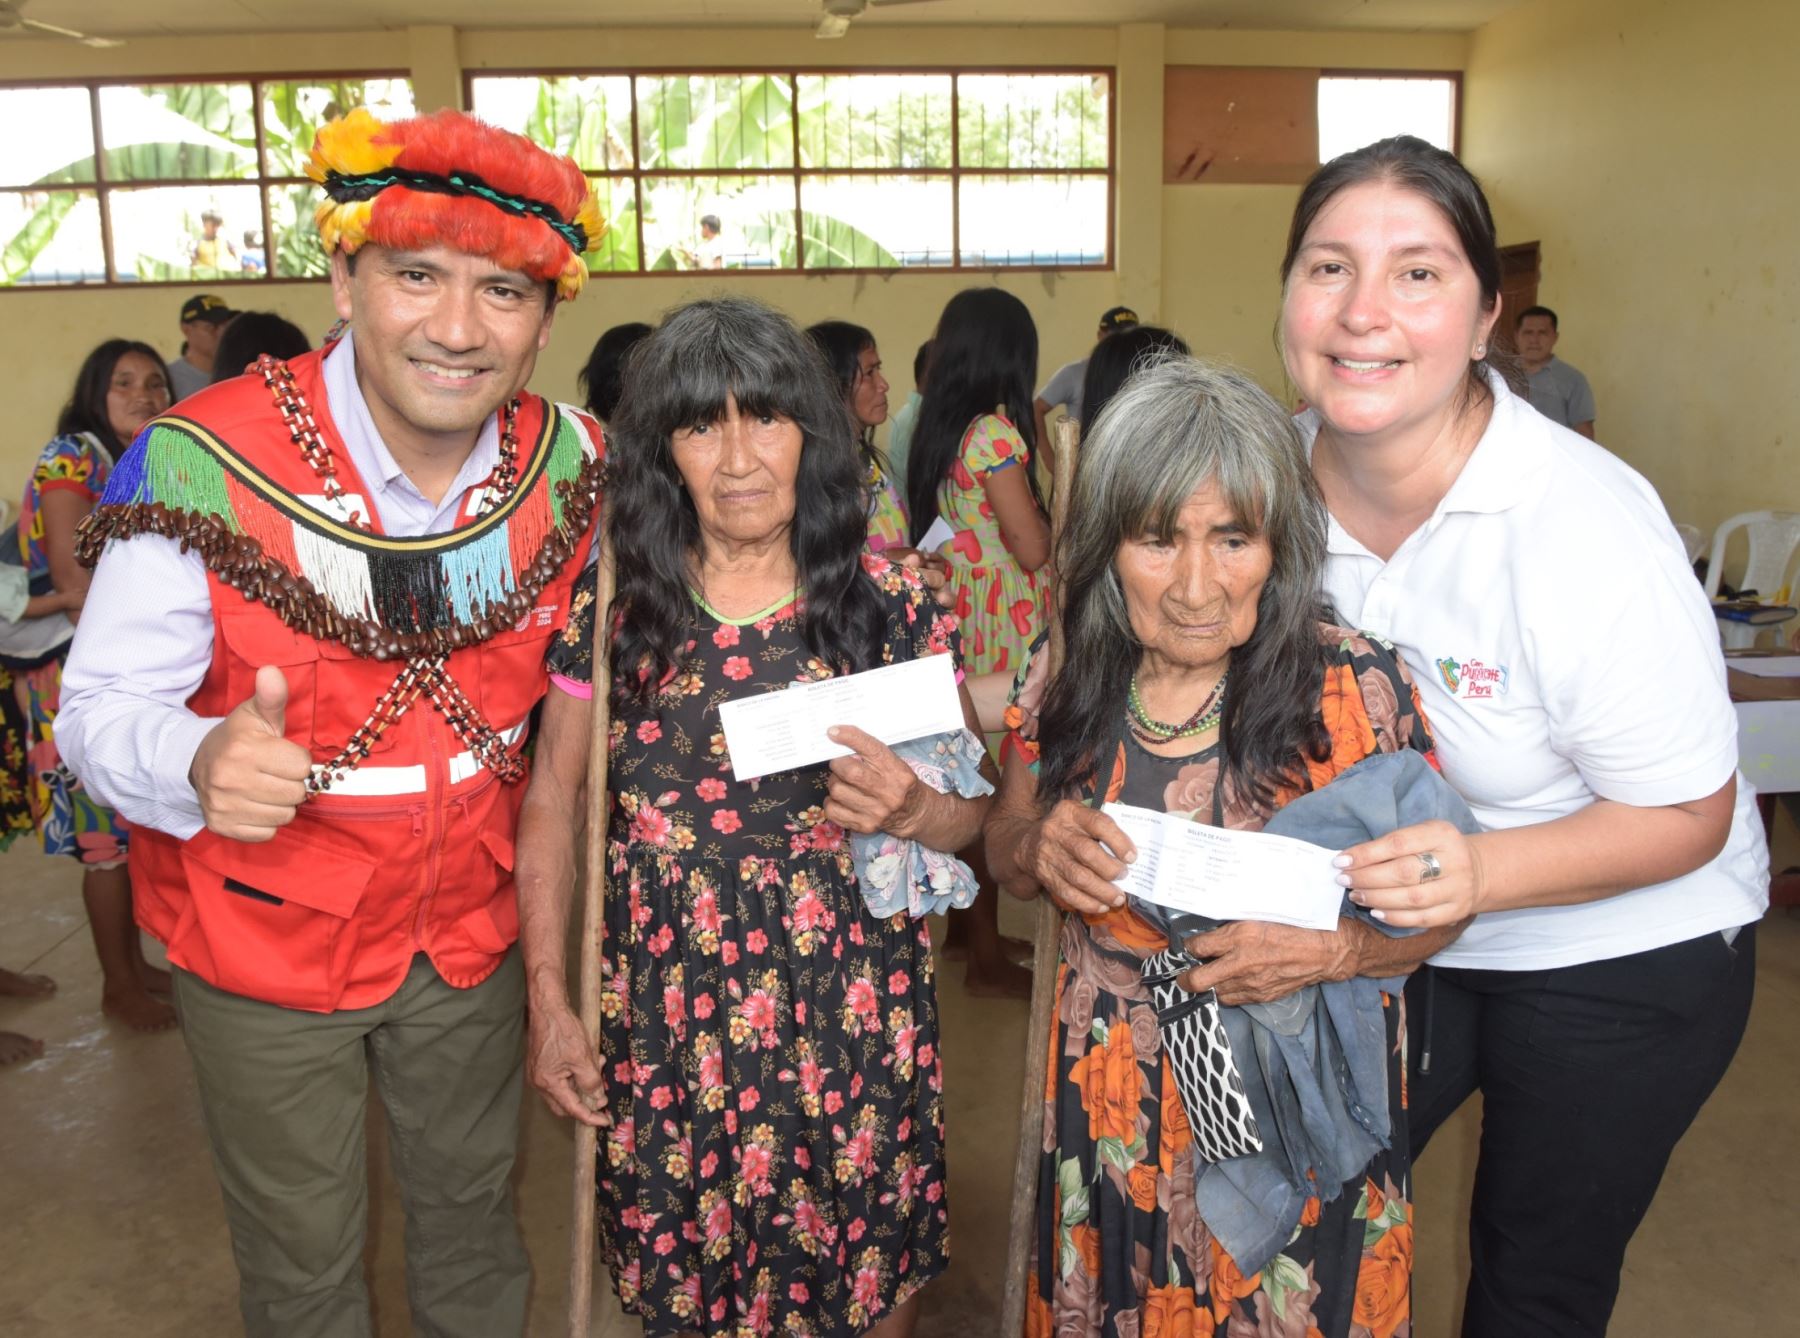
{"x": 203, "y": 317}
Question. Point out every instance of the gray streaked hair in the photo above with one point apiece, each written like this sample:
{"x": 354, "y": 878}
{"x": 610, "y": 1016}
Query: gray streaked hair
{"x": 1176, "y": 425}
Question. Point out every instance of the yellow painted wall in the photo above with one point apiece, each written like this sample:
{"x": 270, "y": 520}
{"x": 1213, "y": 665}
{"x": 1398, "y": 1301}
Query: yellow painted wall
{"x": 1199, "y": 258}
{"x": 1649, "y": 144}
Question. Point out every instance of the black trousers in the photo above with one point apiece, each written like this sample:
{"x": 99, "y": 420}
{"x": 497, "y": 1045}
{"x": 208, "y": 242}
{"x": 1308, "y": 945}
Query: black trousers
{"x": 1589, "y": 1076}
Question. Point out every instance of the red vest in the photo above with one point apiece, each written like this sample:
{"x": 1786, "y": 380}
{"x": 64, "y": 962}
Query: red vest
{"x": 413, "y": 850}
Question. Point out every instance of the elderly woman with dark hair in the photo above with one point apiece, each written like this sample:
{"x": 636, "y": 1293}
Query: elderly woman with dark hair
{"x": 769, "y": 1076}
{"x": 1207, "y": 678}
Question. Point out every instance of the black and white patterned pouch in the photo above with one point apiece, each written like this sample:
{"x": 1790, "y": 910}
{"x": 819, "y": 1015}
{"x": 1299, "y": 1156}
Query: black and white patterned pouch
{"x": 1206, "y": 1076}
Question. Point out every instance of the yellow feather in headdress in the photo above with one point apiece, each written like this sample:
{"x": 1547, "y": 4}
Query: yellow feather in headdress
{"x": 349, "y": 146}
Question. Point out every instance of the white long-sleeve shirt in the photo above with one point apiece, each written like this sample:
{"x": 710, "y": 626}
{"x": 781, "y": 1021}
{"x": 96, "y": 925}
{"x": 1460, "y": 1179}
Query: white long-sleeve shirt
{"x": 145, "y": 639}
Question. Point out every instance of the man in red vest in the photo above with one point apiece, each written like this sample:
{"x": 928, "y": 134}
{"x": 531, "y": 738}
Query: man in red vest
{"x": 315, "y": 635}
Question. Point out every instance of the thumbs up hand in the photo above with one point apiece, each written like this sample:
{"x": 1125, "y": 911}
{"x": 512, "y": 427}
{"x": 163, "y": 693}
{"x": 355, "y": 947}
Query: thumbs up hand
{"x": 251, "y": 780}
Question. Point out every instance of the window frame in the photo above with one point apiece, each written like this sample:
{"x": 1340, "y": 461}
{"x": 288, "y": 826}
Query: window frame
{"x": 1453, "y": 77}
{"x": 792, "y": 73}
{"x": 101, "y": 187}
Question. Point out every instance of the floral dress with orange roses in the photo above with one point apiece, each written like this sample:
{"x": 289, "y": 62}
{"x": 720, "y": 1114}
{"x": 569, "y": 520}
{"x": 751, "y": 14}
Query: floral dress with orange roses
{"x": 1120, "y": 1249}
{"x": 999, "y": 604}
{"x": 776, "y": 1161}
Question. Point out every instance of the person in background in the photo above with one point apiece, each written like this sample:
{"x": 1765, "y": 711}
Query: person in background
{"x": 203, "y": 320}
{"x": 602, "y": 381}
{"x": 19, "y": 609}
{"x": 1117, "y": 357}
{"x": 769, "y": 1087}
{"x": 710, "y": 254}
{"x": 971, "y": 464}
{"x": 252, "y": 334}
{"x": 855, "y": 364}
{"x": 1603, "y": 986}
{"x": 1557, "y": 390}
{"x": 122, "y": 385}
{"x": 900, "y": 428}
{"x": 1063, "y": 390}
{"x": 210, "y": 250}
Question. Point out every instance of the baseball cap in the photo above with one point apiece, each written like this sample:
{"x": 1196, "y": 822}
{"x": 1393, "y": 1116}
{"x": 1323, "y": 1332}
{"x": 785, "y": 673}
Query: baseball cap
{"x": 1118, "y": 318}
{"x": 206, "y": 307}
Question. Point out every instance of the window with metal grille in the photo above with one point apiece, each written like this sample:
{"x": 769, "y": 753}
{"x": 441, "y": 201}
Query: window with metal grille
{"x": 830, "y": 169}
{"x": 110, "y": 181}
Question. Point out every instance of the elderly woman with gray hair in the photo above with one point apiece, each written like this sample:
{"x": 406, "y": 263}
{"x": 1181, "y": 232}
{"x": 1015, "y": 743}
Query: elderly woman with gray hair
{"x": 1212, "y": 683}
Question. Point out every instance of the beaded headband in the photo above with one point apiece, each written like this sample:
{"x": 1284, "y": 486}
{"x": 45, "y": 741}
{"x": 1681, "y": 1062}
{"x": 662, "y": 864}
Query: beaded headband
{"x": 368, "y": 185}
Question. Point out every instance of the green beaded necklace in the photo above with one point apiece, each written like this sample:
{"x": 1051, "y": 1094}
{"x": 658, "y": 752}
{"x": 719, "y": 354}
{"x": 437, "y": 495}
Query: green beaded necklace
{"x": 1156, "y": 731}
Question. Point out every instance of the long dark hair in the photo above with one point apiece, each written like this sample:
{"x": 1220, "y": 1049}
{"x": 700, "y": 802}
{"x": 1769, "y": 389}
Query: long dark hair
{"x": 252, "y": 334}
{"x": 1116, "y": 357}
{"x": 983, "y": 355}
{"x": 1437, "y": 175}
{"x": 602, "y": 381}
{"x": 842, "y": 344}
{"x": 1174, "y": 426}
{"x": 86, "y": 409}
{"x": 681, "y": 376}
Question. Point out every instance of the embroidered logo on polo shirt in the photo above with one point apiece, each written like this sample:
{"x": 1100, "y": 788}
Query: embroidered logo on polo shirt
{"x": 1473, "y": 680}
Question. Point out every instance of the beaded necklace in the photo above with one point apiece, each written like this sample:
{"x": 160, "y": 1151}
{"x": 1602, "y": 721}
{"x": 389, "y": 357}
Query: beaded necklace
{"x": 423, "y": 675}
{"x": 1148, "y": 730}
{"x": 303, "y": 430}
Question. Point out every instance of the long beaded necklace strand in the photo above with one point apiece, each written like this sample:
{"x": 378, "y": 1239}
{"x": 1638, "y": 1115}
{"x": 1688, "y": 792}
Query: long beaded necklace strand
{"x": 425, "y": 675}
{"x": 303, "y": 431}
{"x": 1208, "y": 715}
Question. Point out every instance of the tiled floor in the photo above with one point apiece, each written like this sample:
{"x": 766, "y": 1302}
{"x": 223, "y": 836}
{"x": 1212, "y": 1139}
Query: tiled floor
{"x": 110, "y": 1225}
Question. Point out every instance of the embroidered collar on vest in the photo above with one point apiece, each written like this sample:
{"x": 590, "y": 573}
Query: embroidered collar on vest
{"x": 380, "y": 596}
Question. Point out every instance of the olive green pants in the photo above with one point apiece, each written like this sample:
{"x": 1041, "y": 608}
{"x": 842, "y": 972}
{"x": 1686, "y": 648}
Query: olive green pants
{"x": 285, "y": 1095}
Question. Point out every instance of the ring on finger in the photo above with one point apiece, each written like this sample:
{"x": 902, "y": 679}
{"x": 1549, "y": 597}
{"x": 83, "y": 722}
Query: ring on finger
{"x": 1429, "y": 867}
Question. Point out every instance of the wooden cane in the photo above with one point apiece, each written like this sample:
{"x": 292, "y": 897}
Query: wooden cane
{"x": 593, "y": 921}
{"x": 1043, "y": 965}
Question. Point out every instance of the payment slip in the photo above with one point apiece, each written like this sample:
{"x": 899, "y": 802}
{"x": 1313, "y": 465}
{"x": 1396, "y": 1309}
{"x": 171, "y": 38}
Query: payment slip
{"x": 1228, "y": 875}
{"x": 778, "y": 731}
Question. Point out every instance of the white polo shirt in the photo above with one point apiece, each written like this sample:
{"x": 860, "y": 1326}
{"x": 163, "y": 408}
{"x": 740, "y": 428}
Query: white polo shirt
{"x": 1564, "y": 652}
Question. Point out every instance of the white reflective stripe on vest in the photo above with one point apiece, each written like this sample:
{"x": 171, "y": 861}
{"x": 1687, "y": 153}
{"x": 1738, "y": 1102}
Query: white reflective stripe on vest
{"x": 379, "y": 782}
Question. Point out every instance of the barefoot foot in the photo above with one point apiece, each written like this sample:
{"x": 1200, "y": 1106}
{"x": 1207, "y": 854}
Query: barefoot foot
{"x": 20, "y": 986}
{"x": 137, "y": 1009}
{"x": 1001, "y": 980}
{"x": 17, "y": 1049}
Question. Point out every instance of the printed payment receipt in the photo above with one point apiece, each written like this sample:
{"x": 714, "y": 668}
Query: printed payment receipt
{"x": 1228, "y": 875}
{"x": 778, "y": 731}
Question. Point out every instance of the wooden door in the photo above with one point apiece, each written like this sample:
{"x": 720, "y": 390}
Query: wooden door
{"x": 1518, "y": 289}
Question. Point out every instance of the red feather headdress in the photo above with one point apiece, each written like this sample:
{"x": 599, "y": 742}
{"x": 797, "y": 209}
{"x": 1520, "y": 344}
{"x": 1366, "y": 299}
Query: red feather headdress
{"x": 448, "y": 179}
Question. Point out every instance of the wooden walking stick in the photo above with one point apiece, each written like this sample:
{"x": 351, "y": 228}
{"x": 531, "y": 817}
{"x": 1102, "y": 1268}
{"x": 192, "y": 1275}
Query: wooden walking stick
{"x": 593, "y": 922}
{"x": 1043, "y": 967}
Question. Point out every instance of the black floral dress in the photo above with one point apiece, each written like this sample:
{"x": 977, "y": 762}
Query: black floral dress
{"x": 776, "y": 1161}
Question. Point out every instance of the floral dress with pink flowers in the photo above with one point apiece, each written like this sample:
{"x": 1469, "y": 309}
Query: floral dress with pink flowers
{"x": 776, "y": 1162}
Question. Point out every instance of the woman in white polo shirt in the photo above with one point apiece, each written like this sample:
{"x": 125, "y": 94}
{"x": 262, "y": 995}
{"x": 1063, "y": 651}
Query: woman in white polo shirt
{"x": 1570, "y": 667}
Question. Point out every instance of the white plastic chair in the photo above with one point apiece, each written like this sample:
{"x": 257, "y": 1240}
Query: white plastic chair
{"x": 1773, "y": 535}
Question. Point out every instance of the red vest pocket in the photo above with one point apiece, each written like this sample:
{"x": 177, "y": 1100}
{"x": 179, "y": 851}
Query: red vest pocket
{"x": 273, "y": 917}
